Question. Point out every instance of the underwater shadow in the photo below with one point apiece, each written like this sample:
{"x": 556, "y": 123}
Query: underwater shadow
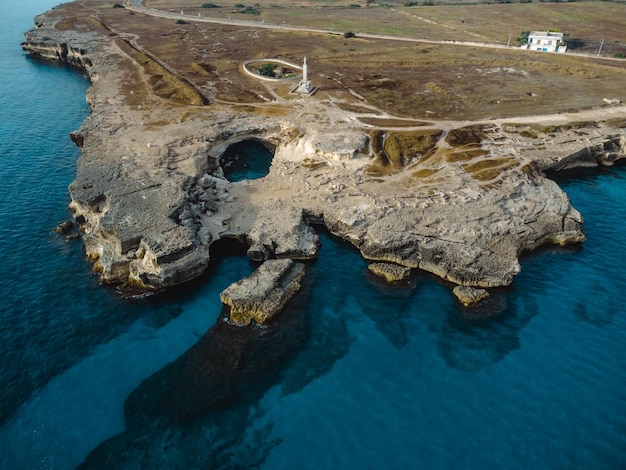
{"x": 477, "y": 337}
{"x": 379, "y": 296}
{"x": 209, "y": 391}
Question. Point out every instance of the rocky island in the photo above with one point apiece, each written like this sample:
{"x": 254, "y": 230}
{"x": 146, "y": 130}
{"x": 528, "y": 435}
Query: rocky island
{"x": 417, "y": 168}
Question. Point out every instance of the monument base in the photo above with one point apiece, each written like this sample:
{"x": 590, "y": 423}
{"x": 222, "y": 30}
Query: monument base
{"x": 304, "y": 88}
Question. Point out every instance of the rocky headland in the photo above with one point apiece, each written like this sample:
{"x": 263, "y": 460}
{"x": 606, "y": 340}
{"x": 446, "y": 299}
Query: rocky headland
{"x": 462, "y": 200}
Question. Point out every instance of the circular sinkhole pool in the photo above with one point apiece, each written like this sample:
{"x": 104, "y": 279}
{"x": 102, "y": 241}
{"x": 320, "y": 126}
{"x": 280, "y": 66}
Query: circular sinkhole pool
{"x": 246, "y": 160}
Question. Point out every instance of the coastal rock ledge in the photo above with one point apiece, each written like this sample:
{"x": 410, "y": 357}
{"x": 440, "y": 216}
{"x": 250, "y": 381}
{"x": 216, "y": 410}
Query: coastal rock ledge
{"x": 470, "y": 295}
{"x": 150, "y": 196}
{"x": 389, "y": 271}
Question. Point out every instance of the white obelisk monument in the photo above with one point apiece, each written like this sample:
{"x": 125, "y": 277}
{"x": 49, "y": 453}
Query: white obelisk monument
{"x": 305, "y": 84}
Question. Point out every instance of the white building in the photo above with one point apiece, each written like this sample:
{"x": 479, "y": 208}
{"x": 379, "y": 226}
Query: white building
{"x": 545, "y": 41}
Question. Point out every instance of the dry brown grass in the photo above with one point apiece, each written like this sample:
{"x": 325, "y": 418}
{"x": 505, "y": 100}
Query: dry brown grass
{"x": 313, "y": 164}
{"x": 490, "y": 168}
{"x": 162, "y": 82}
{"x": 534, "y": 130}
{"x": 387, "y": 123}
{"x": 470, "y": 135}
{"x": 464, "y": 153}
{"x": 590, "y": 20}
{"x": 86, "y": 24}
{"x": 464, "y": 21}
{"x": 617, "y": 122}
{"x": 404, "y": 147}
{"x": 409, "y": 79}
{"x": 396, "y": 150}
{"x": 424, "y": 172}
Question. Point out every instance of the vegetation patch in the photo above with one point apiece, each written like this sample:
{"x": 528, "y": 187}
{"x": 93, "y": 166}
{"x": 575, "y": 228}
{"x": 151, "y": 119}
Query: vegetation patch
{"x": 162, "y": 82}
{"x": 490, "y": 168}
{"x": 246, "y": 10}
{"x": 528, "y": 134}
{"x": 155, "y": 125}
{"x": 388, "y": 122}
{"x": 267, "y": 70}
{"x": 531, "y": 169}
{"x": 576, "y": 125}
{"x": 529, "y": 131}
{"x": 617, "y": 122}
{"x": 313, "y": 164}
{"x": 78, "y": 24}
{"x": 395, "y": 151}
{"x": 424, "y": 172}
{"x": 533, "y": 130}
{"x": 470, "y": 135}
{"x": 202, "y": 69}
{"x": 403, "y": 148}
{"x": 270, "y": 111}
{"x": 356, "y": 108}
{"x": 447, "y": 82}
{"x": 465, "y": 154}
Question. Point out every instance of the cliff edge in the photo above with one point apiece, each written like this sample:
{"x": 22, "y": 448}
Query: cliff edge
{"x": 459, "y": 199}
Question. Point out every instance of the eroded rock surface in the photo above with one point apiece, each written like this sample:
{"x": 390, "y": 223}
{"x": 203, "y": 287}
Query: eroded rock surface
{"x": 389, "y": 271}
{"x": 470, "y": 295}
{"x": 150, "y": 196}
{"x": 264, "y": 293}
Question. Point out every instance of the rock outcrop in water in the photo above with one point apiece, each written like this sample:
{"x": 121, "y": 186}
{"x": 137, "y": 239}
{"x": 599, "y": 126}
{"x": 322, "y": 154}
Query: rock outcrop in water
{"x": 150, "y": 196}
{"x": 470, "y": 295}
{"x": 264, "y": 293}
{"x": 389, "y": 271}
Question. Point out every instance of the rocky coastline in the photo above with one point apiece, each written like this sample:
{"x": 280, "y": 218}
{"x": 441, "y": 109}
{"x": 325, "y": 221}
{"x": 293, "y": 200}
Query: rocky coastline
{"x": 150, "y": 197}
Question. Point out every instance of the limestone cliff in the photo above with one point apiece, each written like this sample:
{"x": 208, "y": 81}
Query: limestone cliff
{"x": 150, "y": 196}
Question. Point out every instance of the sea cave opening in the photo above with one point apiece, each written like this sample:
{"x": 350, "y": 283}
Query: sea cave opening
{"x": 247, "y": 159}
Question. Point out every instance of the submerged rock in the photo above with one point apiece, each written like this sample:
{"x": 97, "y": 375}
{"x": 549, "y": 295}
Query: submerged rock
{"x": 64, "y": 227}
{"x": 263, "y": 294}
{"x": 228, "y": 364}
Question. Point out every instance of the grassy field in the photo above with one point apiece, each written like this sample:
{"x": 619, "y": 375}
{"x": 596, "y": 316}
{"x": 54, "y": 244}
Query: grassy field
{"x": 411, "y": 79}
{"x": 591, "y": 21}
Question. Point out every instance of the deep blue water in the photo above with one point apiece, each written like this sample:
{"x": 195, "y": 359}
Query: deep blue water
{"x": 354, "y": 375}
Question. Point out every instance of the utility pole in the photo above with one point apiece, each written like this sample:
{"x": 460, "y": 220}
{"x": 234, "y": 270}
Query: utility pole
{"x": 601, "y": 44}
{"x": 508, "y": 44}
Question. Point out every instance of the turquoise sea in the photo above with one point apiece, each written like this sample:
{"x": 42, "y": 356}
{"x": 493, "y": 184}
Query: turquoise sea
{"x": 354, "y": 374}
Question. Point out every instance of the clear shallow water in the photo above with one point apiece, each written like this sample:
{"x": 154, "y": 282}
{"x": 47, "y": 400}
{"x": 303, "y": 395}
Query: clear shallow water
{"x": 356, "y": 375}
{"x": 246, "y": 160}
